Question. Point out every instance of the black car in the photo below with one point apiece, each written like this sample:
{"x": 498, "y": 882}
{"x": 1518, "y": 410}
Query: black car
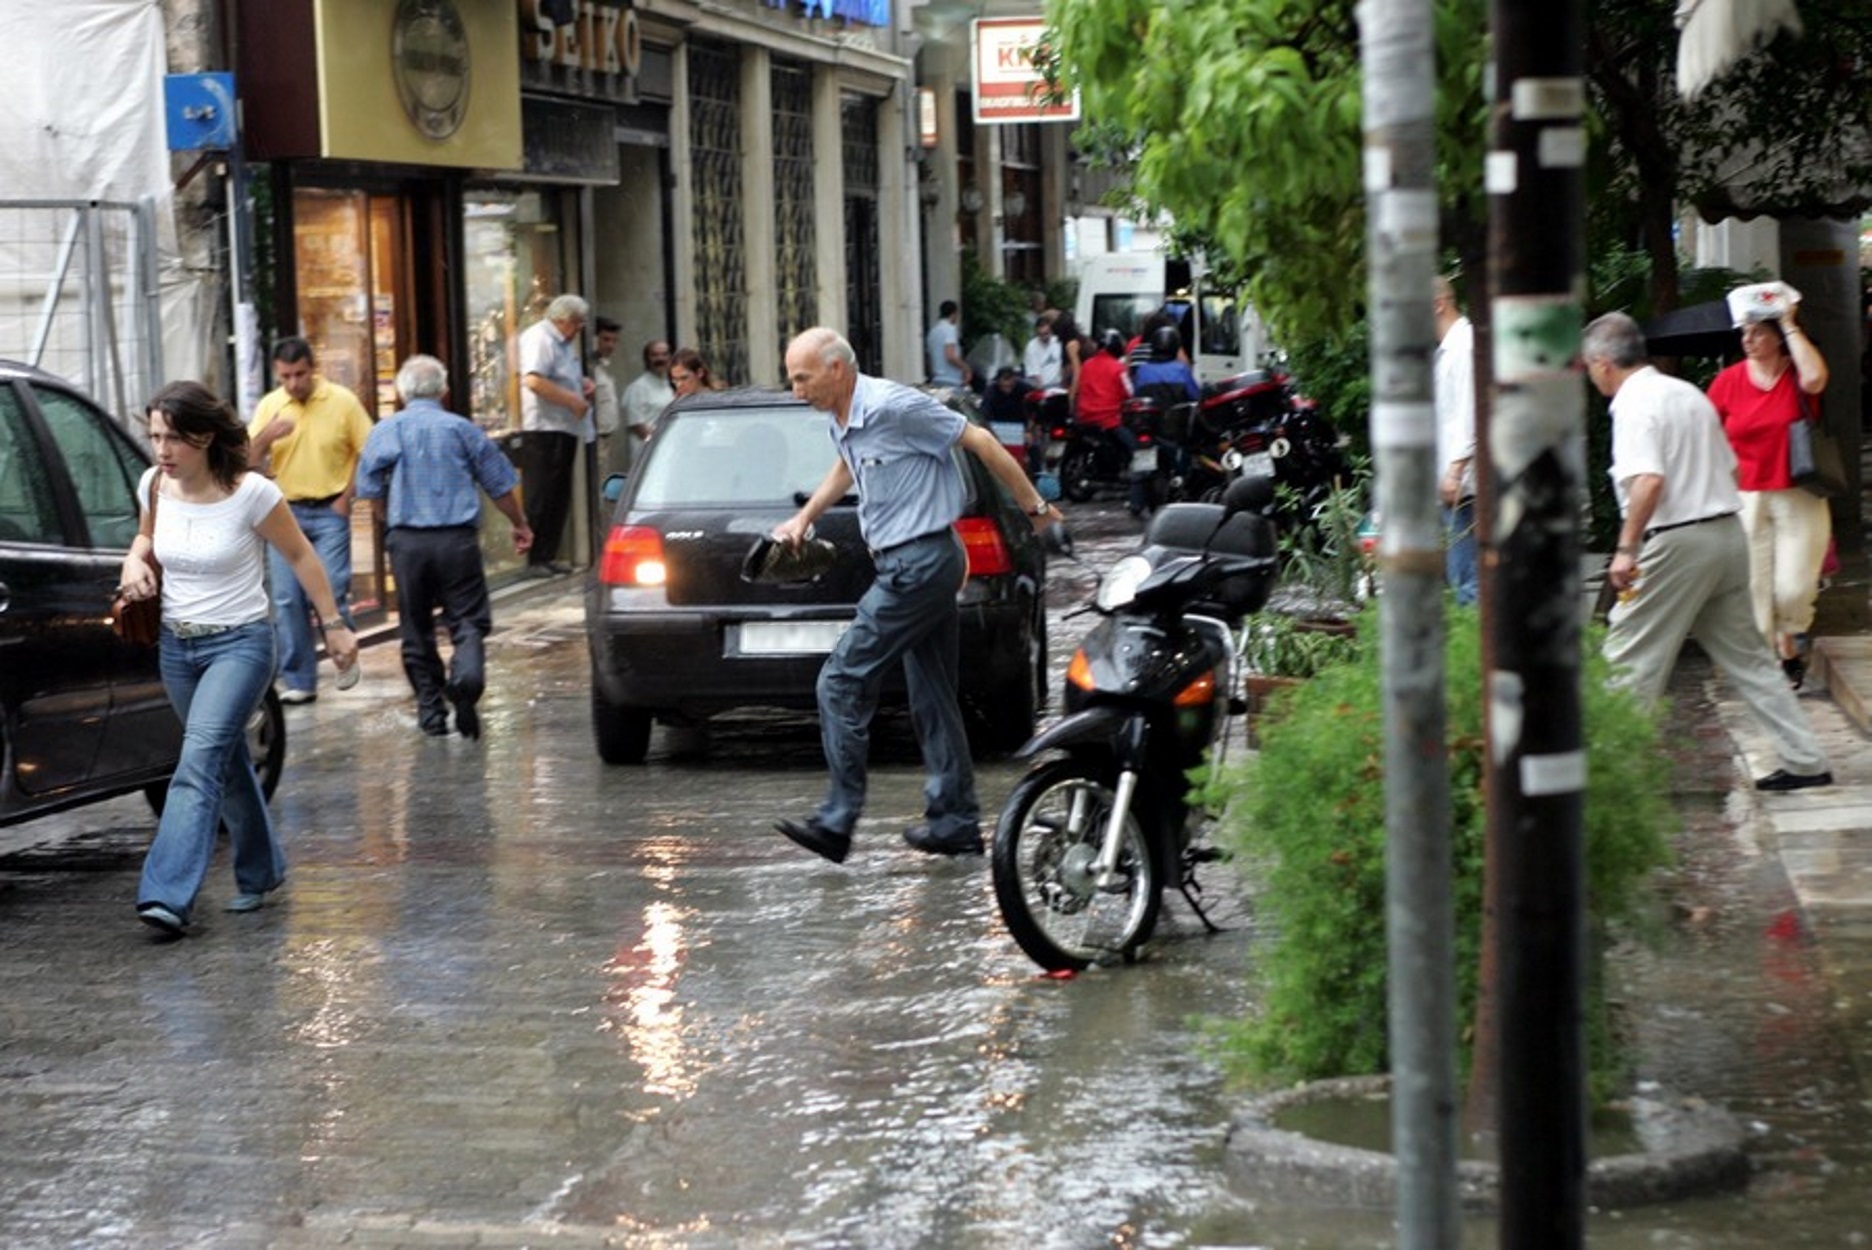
{"x": 677, "y": 635}
{"x": 83, "y": 715}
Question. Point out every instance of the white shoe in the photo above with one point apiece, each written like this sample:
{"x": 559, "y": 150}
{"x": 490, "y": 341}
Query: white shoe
{"x": 297, "y": 696}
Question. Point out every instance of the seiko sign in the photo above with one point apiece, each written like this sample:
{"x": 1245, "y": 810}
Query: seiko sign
{"x": 581, "y": 47}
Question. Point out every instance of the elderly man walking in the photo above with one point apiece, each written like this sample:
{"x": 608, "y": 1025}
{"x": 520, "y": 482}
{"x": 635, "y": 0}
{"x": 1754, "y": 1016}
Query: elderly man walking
{"x": 1681, "y": 567}
{"x": 429, "y": 462}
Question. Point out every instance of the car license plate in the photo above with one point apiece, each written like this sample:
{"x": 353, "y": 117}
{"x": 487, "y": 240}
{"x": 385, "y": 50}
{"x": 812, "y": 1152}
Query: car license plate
{"x": 789, "y": 637}
{"x": 1144, "y": 460}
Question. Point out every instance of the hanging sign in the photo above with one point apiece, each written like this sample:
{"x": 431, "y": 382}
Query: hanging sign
{"x": 1008, "y": 88}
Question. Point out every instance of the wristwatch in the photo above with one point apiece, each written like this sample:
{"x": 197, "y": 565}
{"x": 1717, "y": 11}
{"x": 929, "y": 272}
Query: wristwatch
{"x": 1039, "y": 509}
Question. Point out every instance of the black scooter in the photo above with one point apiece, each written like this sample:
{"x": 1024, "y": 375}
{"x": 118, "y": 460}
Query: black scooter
{"x": 1090, "y": 836}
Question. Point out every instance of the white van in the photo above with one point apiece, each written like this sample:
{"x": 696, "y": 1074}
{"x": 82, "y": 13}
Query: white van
{"x": 1118, "y": 290}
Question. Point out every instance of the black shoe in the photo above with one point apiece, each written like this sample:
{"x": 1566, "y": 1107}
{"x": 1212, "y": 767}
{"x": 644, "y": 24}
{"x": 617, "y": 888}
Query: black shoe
{"x": 1782, "y": 780}
{"x": 965, "y": 841}
{"x": 816, "y": 838}
{"x": 467, "y": 720}
{"x": 436, "y": 727}
{"x": 1796, "y": 669}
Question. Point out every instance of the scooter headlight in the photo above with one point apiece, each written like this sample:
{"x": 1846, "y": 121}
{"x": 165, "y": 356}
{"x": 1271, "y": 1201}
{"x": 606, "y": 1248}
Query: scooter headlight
{"x": 1120, "y": 585}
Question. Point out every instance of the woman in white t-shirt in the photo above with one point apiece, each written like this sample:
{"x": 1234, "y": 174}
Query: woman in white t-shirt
{"x": 209, "y": 534}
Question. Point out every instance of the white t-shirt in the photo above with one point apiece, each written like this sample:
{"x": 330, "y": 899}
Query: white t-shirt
{"x": 213, "y": 558}
{"x": 1041, "y": 360}
{"x": 1454, "y": 392}
{"x": 1666, "y": 426}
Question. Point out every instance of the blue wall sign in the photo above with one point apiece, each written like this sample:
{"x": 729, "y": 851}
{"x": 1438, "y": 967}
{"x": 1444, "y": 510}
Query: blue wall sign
{"x": 199, "y": 111}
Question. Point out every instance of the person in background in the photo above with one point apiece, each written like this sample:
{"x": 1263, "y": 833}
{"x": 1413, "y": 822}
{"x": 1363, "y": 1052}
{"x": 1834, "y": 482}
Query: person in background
{"x": 607, "y": 415}
{"x": 1041, "y": 360}
{"x": 307, "y": 434}
{"x": 689, "y": 373}
{"x": 650, "y": 392}
{"x": 555, "y": 414}
{"x": 1006, "y": 398}
{"x": 1453, "y": 392}
{"x": 212, "y": 519}
{"x": 1104, "y": 385}
{"x": 895, "y": 448}
{"x": 1681, "y": 564}
{"x": 428, "y": 464}
{"x": 1788, "y": 529}
{"x": 943, "y": 344}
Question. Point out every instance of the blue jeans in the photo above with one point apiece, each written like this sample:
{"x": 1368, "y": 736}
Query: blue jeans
{"x": 909, "y": 614}
{"x": 214, "y": 683}
{"x": 1460, "y": 565}
{"x": 330, "y": 536}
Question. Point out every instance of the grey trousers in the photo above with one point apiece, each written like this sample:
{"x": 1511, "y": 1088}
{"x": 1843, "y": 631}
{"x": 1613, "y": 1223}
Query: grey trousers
{"x": 1693, "y": 582}
{"x": 908, "y": 615}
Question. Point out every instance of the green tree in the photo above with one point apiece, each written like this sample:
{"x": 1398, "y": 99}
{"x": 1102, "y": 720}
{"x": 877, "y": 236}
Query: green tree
{"x": 1241, "y": 120}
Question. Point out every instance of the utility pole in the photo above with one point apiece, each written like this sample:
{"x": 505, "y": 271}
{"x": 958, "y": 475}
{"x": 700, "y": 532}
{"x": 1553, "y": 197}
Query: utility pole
{"x": 1536, "y": 449}
{"x": 1399, "y": 59}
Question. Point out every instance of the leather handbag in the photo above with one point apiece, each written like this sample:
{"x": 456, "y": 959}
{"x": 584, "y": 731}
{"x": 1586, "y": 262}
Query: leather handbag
{"x": 1814, "y": 461}
{"x": 139, "y": 621}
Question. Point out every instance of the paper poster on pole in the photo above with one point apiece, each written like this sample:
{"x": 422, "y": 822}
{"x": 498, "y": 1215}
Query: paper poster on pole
{"x": 1008, "y": 88}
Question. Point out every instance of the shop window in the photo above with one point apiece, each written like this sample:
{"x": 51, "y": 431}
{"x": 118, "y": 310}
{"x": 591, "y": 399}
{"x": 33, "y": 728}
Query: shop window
{"x": 720, "y": 246}
{"x": 795, "y": 267}
{"x": 864, "y": 298}
{"x": 512, "y": 250}
{"x": 350, "y": 257}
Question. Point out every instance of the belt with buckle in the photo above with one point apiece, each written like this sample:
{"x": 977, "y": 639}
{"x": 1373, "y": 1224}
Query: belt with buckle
{"x": 197, "y": 629}
{"x": 1677, "y": 525}
{"x": 325, "y": 502}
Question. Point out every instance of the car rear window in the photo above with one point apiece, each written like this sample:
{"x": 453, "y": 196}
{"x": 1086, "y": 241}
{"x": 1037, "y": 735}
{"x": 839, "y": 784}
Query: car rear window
{"x": 764, "y": 456}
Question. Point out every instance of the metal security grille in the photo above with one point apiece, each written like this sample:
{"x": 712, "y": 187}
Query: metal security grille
{"x": 78, "y": 295}
{"x": 796, "y": 296}
{"x": 720, "y": 248}
{"x": 864, "y": 300}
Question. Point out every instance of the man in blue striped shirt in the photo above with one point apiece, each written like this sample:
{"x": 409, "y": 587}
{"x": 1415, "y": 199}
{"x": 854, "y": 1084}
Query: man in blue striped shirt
{"x": 432, "y": 464}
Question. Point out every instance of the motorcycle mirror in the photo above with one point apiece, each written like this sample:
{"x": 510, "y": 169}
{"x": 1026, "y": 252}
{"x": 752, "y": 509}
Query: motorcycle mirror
{"x": 1251, "y": 492}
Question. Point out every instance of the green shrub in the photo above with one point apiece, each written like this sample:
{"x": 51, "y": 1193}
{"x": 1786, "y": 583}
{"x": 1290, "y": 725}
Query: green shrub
{"x": 1307, "y": 815}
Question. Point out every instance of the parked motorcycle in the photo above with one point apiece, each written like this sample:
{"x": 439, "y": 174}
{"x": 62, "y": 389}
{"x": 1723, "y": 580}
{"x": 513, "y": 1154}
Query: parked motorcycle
{"x": 1091, "y": 835}
{"x": 1092, "y": 460}
{"x": 1254, "y": 424}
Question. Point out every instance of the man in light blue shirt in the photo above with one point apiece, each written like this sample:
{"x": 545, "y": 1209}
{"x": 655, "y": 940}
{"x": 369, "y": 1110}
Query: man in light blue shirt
{"x": 432, "y": 465}
{"x": 944, "y": 345}
{"x": 895, "y": 447}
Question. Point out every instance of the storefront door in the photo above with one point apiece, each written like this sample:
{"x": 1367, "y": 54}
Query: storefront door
{"x": 357, "y": 304}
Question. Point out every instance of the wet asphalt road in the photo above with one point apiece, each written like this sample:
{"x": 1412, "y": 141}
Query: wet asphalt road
{"x": 511, "y": 992}
{"x": 513, "y": 997}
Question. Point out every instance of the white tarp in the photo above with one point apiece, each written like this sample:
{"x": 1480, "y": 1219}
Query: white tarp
{"x": 81, "y": 119}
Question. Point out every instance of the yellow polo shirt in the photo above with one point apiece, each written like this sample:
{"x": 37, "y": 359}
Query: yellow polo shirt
{"x": 317, "y": 459}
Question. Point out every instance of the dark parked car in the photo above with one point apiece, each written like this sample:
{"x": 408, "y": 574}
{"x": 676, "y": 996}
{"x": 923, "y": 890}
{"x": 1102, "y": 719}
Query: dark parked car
{"x": 83, "y": 716}
{"x": 678, "y": 636}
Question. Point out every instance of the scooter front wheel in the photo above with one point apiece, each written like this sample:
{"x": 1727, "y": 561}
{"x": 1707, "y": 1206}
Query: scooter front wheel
{"x": 1045, "y": 846}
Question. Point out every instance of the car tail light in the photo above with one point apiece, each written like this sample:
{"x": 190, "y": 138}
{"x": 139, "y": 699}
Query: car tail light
{"x": 987, "y": 551}
{"x": 633, "y": 556}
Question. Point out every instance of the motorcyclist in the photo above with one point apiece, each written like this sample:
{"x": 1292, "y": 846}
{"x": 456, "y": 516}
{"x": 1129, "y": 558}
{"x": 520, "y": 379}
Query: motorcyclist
{"x": 1167, "y": 378}
{"x": 1104, "y": 385}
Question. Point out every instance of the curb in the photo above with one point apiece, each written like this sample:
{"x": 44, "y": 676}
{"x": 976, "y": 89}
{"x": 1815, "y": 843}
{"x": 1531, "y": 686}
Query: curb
{"x": 1692, "y": 1148}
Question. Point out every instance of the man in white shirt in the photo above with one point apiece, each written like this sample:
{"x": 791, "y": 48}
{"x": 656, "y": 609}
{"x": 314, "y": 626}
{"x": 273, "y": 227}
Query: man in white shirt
{"x": 1454, "y": 392}
{"x": 613, "y": 453}
{"x": 1040, "y": 363}
{"x": 650, "y": 392}
{"x": 1681, "y": 566}
{"x": 555, "y": 413}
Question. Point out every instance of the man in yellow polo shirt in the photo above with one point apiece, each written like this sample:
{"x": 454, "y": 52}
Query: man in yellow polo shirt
{"x": 308, "y": 433}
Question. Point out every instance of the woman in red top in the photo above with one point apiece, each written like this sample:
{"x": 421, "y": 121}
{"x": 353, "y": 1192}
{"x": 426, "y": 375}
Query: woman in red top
{"x": 1103, "y": 384}
{"x": 1788, "y": 529}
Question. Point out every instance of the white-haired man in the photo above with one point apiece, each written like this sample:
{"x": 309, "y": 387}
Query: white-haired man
{"x": 431, "y": 465}
{"x": 555, "y": 410}
{"x": 894, "y": 447}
